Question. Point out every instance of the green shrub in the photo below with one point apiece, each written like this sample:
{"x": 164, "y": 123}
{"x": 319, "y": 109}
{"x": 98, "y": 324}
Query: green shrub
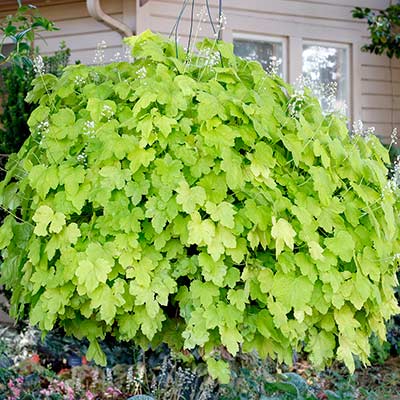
{"x": 176, "y": 200}
{"x": 21, "y": 29}
{"x": 383, "y": 29}
{"x": 15, "y": 110}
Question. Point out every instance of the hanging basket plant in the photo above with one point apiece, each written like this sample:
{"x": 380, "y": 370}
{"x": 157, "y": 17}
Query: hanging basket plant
{"x": 184, "y": 200}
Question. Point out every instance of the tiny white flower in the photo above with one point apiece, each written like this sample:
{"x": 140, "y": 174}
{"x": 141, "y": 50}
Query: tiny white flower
{"x": 273, "y": 65}
{"x": 107, "y": 111}
{"x": 82, "y": 158}
{"x": 43, "y": 127}
{"x": 79, "y": 81}
{"x": 99, "y": 55}
{"x": 141, "y": 73}
{"x": 127, "y": 55}
{"x": 89, "y": 129}
{"x": 116, "y": 57}
{"x": 38, "y": 65}
{"x": 221, "y": 22}
{"x": 393, "y": 137}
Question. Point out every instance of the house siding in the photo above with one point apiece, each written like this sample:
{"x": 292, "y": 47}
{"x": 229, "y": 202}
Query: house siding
{"x": 375, "y": 80}
{"x": 78, "y": 29}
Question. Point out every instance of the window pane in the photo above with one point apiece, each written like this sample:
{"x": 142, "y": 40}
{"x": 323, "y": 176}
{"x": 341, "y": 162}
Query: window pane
{"x": 267, "y": 53}
{"x": 323, "y": 68}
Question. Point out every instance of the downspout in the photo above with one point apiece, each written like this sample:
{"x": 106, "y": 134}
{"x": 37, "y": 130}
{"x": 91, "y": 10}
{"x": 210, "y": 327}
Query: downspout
{"x": 98, "y": 14}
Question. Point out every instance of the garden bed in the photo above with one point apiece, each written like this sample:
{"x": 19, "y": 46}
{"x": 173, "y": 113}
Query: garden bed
{"x": 56, "y": 368}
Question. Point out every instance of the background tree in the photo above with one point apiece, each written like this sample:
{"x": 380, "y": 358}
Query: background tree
{"x": 384, "y": 28}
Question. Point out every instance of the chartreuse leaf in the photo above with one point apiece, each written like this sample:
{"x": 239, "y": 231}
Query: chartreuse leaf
{"x": 321, "y": 347}
{"x": 43, "y": 216}
{"x": 189, "y": 198}
{"x": 223, "y": 213}
{"x": 101, "y": 109}
{"x": 316, "y": 251}
{"x": 6, "y": 232}
{"x": 192, "y": 204}
{"x": 323, "y": 183}
{"x": 122, "y": 89}
{"x": 128, "y": 325}
{"x": 342, "y": 245}
{"x": 230, "y": 337}
{"x": 95, "y": 353}
{"x": 201, "y": 231}
{"x": 219, "y": 369}
{"x": 212, "y": 270}
{"x": 57, "y": 223}
{"x": 223, "y": 239}
{"x": 232, "y": 165}
{"x": 205, "y": 292}
{"x": 284, "y": 234}
{"x": 239, "y": 298}
{"x": 90, "y": 274}
{"x": 63, "y": 118}
{"x": 93, "y": 268}
{"x": 108, "y": 301}
{"x": 43, "y": 178}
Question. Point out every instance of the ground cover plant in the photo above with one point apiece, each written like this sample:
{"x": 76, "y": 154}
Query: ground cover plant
{"x": 56, "y": 368}
{"x": 194, "y": 200}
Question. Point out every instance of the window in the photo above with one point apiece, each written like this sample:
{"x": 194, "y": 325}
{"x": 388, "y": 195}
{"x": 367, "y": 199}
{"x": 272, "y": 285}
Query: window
{"x": 269, "y": 52}
{"x": 326, "y": 69}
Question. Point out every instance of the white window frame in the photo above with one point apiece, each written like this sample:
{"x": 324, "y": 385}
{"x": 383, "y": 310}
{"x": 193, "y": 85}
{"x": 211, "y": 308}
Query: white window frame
{"x": 339, "y": 45}
{"x": 282, "y": 40}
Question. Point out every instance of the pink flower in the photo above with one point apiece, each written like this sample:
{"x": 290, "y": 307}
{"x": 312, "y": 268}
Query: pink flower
{"x": 16, "y": 391}
{"x": 20, "y": 380}
{"x": 114, "y": 392}
{"x": 70, "y": 393}
{"x": 61, "y": 385}
{"x": 89, "y": 395}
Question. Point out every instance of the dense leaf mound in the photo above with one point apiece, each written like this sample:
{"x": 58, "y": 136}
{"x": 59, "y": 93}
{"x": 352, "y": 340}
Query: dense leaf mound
{"x": 198, "y": 202}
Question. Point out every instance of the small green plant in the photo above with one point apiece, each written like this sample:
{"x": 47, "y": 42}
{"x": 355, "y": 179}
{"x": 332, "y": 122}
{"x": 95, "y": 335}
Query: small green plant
{"x": 21, "y": 29}
{"x": 380, "y": 350}
{"x": 183, "y": 200}
{"x": 15, "y": 111}
{"x": 384, "y": 28}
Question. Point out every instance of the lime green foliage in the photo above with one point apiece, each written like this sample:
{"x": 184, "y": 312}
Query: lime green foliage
{"x": 179, "y": 201}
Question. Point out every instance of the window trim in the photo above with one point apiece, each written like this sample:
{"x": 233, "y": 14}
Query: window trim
{"x": 349, "y": 69}
{"x": 256, "y": 37}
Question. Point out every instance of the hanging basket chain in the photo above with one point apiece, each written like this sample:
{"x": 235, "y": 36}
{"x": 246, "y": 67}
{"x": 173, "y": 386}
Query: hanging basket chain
{"x": 216, "y": 28}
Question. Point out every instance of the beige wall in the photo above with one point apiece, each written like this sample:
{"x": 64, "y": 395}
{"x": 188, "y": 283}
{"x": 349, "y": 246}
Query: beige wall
{"x": 375, "y": 80}
{"x": 80, "y": 31}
